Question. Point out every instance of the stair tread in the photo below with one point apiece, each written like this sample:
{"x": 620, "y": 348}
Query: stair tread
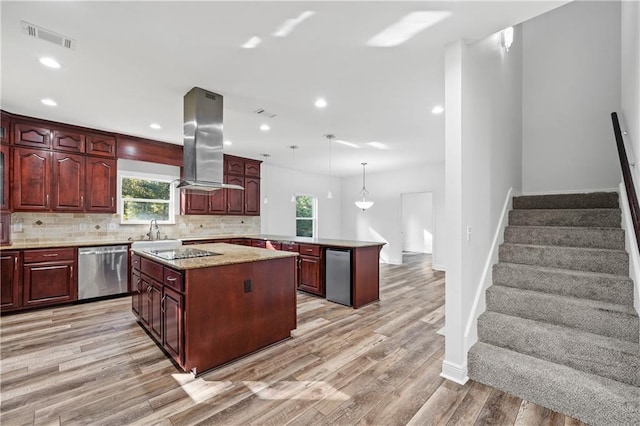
{"x": 563, "y": 271}
{"x": 566, "y": 248}
{"x": 586, "y": 228}
{"x": 596, "y": 304}
{"x": 555, "y": 386}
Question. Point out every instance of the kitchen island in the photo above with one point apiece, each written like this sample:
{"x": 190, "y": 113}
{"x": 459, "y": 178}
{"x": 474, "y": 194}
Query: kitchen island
{"x": 207, "y": 311}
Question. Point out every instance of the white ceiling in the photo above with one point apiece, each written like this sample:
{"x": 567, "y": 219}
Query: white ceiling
{"x": 134, "y": 61}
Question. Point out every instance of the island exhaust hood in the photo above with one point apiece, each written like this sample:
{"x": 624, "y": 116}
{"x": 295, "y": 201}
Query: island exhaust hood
{"x": 202, "y": 151}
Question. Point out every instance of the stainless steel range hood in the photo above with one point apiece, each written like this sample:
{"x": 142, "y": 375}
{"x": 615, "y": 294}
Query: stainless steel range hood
{"x": 202, "y": 151}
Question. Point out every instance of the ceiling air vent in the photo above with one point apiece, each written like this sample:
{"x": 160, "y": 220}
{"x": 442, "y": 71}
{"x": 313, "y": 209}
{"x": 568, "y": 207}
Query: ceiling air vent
{"x": 48, "y": 35}
{"x": 262, "y": 111}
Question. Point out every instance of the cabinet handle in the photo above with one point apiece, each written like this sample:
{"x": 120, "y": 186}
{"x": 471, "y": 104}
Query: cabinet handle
{"x": 189, "y": 205}
{"x": 228, "y": 206}
{"x": 15, "y": 262}
{"x": 50, "y": 255}
{"x": 209, "y": 205}
{"x": 171, "y": 279}
{"x": 111, "y": 201}
{"x": 72, "y": 272}
{"x": 47, "y": 203}
{"x": 82, "y": 200}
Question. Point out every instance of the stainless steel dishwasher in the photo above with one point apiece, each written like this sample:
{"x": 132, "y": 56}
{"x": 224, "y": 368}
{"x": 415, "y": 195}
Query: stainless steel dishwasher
{"x": 338, "y": 276}
{"x": 102, "y": 271}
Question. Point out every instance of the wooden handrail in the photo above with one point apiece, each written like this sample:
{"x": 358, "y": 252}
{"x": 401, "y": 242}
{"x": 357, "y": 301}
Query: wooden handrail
{"x": 628, "y": 179}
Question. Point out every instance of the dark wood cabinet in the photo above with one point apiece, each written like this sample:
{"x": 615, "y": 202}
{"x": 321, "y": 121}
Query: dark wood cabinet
{"x": 31, "y": 179}
{"x": 5, "y": 169}
{"x": 64, "y": 140}
{"x": 155, "y": 303}
{"x": 68, "y": 182}
{"x": 136, "y": 293}
{"x": 10, "y": 283}
{"x": 101, "y": 185}
{"x": 49, "y": 277}
{"x": 218, "y": 201}
{"x": 5, "y": 228}
{"x": 252, "y": 196}
{"x": 173, "y": 317}
{"x": 233, "y": 165}
{"x": 310, "y": 269}
{"x": 235, "y": 197}
{"x": 145, "y": 301}
{"x": 101, "y": 145}
{"x": 199, "y": 202}
{"x": 32, "y": 134}
{"x": 252, "y": 168}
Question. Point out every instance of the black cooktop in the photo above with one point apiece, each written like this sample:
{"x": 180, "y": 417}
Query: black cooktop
{"x": 182, "y": 253}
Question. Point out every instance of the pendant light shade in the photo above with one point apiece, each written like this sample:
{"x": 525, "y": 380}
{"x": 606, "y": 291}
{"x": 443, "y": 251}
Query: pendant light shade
{"x": 363, "y": 203}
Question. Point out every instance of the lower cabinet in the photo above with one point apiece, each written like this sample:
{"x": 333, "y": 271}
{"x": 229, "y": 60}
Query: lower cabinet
{"x": 173, "y": 302}
{"x": 136, "y": 295}
{"x": 10, "y": 281}
{"x": 310, "y": 274}
{"x": 49, "y": 277}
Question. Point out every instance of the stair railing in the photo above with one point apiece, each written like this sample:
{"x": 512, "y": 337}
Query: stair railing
{"x": 628, "y": 179}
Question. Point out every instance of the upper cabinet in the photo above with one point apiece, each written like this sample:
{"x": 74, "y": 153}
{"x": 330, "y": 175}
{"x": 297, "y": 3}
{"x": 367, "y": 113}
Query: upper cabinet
{"x": 31, "y": 134}
{"x": 70, "y": 141}
{"x": 101, "y": 145}
{"x": 5, "y": 129}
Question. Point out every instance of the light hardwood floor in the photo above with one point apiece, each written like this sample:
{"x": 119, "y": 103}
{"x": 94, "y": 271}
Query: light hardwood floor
{"x": 378, "y": 365}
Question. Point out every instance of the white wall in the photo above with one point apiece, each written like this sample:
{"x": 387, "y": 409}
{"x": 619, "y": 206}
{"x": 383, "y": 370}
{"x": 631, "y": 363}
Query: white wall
{"x": 571, "y": 84}
{"x": 483, "y": 162}
{"x": 630, "y": 79}
{"x": 383, "y": 221}
{"x": 278, "y": 215}
{"x": 417, "y": 222}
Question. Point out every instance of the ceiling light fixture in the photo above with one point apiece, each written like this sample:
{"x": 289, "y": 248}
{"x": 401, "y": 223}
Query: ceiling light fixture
{"x": 407, "y": 27}
{"x": 252, "y": 43}
{"x": 438, "y": 109}
{"x": 379, "y": 145}
{"x": 228, "y": 143}
{"x": 264, "y": 178}
{"x": 50, "y": 62}
{"x": 363, "y": 203}
{"x": 265, "y": 127}
{"x": 507, "y": 38}
{"x": 329, "y": 137}
{"x": 293, "y": 152}
{"x": 290, "y": 24}
{"x": 350, "y": 144}
{"x": 155, "y": 126}
{"x": 49, "y": 102}
{"x": 321, "y": 103}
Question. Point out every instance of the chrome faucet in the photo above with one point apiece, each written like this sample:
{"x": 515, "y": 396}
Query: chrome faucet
{"x": 150, "y": 233}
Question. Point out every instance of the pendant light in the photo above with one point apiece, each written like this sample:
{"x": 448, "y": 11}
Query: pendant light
{"x": 264, "y": 178}
{"x": 363, "y": 203}
{"x": 293, "y": 152}
{"x": 329, "y": 137}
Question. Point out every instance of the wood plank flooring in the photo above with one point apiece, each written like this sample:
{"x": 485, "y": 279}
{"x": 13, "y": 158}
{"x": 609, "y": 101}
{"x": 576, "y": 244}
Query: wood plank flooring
{"x": 378, "y": 365}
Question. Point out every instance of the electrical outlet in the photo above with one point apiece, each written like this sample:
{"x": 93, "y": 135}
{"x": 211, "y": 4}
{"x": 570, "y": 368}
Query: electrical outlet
{"x": 17, "y": 227}
{"x": 248, "y": 286}
{"x": 468, "y": 233}
{"x": 83, "y": 226}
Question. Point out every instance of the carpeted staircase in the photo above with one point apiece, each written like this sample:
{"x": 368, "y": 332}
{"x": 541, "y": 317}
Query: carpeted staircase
{"x": 560, "y": 328}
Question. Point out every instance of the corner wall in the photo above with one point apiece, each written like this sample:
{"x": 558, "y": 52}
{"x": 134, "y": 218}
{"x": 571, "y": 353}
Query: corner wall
{"x": 571, "y": 84}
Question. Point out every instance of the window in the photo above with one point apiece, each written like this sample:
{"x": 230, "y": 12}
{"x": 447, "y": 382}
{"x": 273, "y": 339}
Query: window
{"x": 144, "y": 198}
{"x": 305, "y": 216}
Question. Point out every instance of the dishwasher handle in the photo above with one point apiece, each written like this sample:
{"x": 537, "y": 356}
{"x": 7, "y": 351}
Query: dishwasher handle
{"x": 94, "y": 251}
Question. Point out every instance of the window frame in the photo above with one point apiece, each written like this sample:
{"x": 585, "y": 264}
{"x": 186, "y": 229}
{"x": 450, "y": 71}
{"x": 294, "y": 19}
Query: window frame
{"x": 154, "y": 178}
{"x": 313, "y": 218}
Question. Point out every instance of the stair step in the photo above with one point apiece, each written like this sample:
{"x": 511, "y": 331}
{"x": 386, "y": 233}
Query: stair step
{"x": 567, "y": 236}
{"x": 594, "y": 200}
{"x": 590, "y": 398}
{"x": 574, "y": 258}
{"x": 605, "y": 356}
{"x": 592, "y": 218}
{"x": 587, "y": 285}
{"x": 606, "y": 319}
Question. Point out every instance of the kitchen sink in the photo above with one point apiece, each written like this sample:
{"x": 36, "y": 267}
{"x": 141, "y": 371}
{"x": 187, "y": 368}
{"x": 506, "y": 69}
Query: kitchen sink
{"x": 156, "y": 244}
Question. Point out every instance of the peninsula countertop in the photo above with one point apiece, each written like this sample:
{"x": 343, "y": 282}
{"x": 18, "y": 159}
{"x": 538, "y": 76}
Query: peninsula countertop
{"x": 328, "y": 242}
{"x": 229, "y": 254}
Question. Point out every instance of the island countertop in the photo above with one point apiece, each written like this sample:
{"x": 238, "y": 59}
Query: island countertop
{"x": 327, "y": 242}
{"x": 229, "y": 254}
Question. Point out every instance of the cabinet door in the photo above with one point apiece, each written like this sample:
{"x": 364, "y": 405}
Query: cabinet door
{"x": 218, "y": 201}
{"x": 10, "y": 280}
{"x": 5, "y": 129}
{"x": 235, "y": 197}
{"x": 5, "y": 228}
{"x": 155, "y": 324}
{"x": 195, "y": 202}
{"x": 310, "y": 274}
{"x": 233, "y": 166}
{"x": 100, "y": 185}
{"x": 101, "y": 145}
{"x": 252, "y": 168}
{"x": 173, "y": 323}
{"x": 63, "y": 140}
{"x": 252, "y": 196}
{"x": 48, "y": 283}
{"x": 4, "y": 177}
{"x": 68, "y": 182}
{"x": 136, "y": 294}
{"x": 145, "y": 301}
{"x": 31, "y": 134}
{"x": 31, "y": 179}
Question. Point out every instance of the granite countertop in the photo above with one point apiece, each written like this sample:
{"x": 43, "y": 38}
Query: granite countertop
{"x": 321, "y": 241}
{"x": 230, "y": 254}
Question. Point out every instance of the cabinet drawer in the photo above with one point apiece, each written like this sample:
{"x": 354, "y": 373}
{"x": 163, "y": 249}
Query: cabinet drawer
{"x": 310, "y": 250}
{"x": 173, "y": 279}
{"x": 49, "y": 255}
{"x": 135, "y": 261}
{"x": 154, "y": 270}
{"x": 259, "y": 243}
{"x": 290, "y": 247}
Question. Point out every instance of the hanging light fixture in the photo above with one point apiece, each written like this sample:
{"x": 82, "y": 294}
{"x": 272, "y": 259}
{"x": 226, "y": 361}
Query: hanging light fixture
{"x": 363, "y": 203}
{"x": 293, "y": 151}
{"x": 264, "y": 178}
{"x": 329, "y": 137}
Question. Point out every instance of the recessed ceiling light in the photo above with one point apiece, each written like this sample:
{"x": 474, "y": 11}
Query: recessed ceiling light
{"x": 437, "y": 109}
{"x": 228, "y": 143}
{"x": 155, "y": 126}
{"x": 290, "y": 24}
{"x": 252, "y": 42}
{"x": 265, "y": 127}
{"x": 50, "y": 62}
{"x": 321, "y": 103}
{"x": 49, "y": 102}
{"x": 351, "y": 144}
{"x": 378, "y": 145}
{"x": 407, "y": 27}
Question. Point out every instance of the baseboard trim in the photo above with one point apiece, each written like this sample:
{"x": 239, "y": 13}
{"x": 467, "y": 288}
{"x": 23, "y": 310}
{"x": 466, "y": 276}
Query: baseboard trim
{"x": 569, "y": 191}
{"x": 438, "y": 267}
{"x": 454, "y": 372}
{"x": 631, "y": 246}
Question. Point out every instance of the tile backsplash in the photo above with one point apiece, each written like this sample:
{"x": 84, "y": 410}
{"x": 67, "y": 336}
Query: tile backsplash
{"x": 72, "y": 227}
